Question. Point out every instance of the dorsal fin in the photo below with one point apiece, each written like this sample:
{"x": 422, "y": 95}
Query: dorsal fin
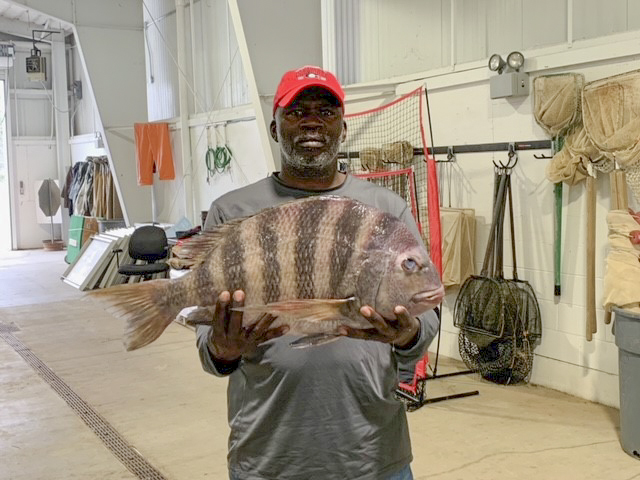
{"x": 199, "y": 246}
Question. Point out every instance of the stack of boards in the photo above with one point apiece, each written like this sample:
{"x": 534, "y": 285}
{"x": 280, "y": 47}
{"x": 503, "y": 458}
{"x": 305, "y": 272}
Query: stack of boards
{"x": 97, "y": 264}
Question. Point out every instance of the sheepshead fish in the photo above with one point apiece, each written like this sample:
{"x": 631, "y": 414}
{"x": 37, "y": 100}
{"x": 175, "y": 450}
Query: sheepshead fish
{"x": 311, "y": 262}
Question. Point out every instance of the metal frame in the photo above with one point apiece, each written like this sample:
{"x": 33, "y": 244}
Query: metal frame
{"x": 419, "y": 400}
{"x": 89, "y": 263}
{"x": 473, "y": 148}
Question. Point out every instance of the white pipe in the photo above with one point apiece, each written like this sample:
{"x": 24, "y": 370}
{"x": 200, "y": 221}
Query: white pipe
{"x": 453, "y": 32}
{"x": 327, "y": 10}
{"x": 569, "y": 22}
{"x": 231, "y": 104}
{"x": 15, "y": 101}
{"x": 193, "y": 56}
{"x": 185, "y": 140}
{"x": 9, "y": 150}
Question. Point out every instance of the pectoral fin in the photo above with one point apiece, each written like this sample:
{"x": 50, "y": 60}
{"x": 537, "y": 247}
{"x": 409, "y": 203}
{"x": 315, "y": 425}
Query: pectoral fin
{"x": 201, "y": 316}
{"x": 313, "y": 309}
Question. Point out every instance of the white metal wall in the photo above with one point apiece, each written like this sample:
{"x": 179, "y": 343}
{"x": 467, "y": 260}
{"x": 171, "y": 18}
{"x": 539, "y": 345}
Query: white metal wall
{"x": 31, "y": 102}
{"x": 31, "y": 106}
{"x": 598, "y": 39}
{"x": 410, "y": 36}
{"x": 214, "y": 72}
{"x": 84, "y": 118}
{"x": 162, "y": 73}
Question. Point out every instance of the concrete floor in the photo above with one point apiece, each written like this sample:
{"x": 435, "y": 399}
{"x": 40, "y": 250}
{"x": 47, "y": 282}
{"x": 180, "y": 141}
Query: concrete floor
{"x": 161, "y": 403}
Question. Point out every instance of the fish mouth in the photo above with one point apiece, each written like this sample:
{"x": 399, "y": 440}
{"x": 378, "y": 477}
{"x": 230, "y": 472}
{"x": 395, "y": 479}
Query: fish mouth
{"x": 429, "y": 297}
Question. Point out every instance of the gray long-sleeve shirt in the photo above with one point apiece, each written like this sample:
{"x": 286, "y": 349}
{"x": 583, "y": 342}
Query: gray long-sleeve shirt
{"x": 325, "y": 412}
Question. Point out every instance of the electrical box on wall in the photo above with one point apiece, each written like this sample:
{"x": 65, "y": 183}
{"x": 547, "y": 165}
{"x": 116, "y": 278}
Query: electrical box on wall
{"x": 36, "y": 67}
{"x": 7, "y": 54}
{"x": 510, "y": 84}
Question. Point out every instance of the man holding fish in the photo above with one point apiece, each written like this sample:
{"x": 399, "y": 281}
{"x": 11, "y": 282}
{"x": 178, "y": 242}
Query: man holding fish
{"x": 327, "y": 411}
{"x": 314, "y": 290}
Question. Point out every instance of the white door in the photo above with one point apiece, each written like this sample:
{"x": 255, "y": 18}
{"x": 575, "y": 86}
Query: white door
{"x": 34, "y": 160}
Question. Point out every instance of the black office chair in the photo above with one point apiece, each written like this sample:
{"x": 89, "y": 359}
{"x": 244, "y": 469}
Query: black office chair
{"x": 148, "y": 243}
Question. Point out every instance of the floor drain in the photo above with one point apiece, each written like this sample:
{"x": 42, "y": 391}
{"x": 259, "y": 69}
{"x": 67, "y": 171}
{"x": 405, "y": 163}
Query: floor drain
{"x": 124, "y": 452}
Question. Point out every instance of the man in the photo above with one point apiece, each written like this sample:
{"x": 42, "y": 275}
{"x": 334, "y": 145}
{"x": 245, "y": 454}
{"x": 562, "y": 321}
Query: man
{"x": 325, "y": 412}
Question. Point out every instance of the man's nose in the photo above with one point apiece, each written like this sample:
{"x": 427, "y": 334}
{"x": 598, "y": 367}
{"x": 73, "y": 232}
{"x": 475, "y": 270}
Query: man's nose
{"x": 311, "y": 120}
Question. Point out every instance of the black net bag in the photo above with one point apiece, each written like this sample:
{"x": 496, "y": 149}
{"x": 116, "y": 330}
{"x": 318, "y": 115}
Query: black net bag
{"x": 499, "y": 319}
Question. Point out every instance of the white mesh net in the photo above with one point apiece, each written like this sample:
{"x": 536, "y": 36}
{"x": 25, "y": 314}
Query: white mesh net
{"x": 557, "y": 102}
{"x": 611, "y": 115}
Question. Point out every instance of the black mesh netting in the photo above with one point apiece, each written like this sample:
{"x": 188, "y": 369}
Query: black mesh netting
{"x": 385, "y": 145}
{"x": 499, "y": 318}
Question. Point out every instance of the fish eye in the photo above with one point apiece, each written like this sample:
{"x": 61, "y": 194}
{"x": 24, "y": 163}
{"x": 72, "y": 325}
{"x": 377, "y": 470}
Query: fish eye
{"x": 410, "y": 265}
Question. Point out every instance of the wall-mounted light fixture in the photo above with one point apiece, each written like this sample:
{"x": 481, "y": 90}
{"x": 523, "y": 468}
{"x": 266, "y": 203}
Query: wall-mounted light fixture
{"x": 496, "y": 63}
{"x": 510, "y": 81}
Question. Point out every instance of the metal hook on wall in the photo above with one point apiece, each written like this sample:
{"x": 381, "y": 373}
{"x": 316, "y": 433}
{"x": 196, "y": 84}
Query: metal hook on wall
{"x": 451, "y": 157}
{"x": 513, "y": 155}
{"x": 511, "y": 162}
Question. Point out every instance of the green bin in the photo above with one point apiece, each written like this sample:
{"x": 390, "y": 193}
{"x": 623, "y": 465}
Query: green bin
{"x": 627, "y": 332}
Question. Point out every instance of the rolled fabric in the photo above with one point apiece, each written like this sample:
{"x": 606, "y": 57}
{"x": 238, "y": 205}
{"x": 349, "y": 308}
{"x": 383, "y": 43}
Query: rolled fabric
{"x": 622, "y": 271}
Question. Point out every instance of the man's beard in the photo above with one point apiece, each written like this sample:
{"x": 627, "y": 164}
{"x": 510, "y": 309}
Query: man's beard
{"x": 308, "y": 165}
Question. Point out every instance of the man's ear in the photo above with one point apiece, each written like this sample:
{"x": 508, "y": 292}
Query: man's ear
{"x": 274, "y": 130}
{"x": 343, "y": 137}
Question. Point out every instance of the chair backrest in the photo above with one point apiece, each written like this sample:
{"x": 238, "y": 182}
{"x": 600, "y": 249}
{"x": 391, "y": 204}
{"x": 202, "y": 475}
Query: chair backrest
{"x": 148, "y": 243}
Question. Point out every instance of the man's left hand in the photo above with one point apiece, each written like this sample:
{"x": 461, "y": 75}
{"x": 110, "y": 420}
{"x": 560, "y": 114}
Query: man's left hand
{"x": 401, "y": 332}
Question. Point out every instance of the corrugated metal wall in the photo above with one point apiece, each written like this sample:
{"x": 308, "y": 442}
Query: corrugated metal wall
{"x": 162, "y": 72}
{"x": 409, "y": 36}
{"x": 213, "y": 72}
{"x": 84, "y": 117}
{"x": 30, "y": 102}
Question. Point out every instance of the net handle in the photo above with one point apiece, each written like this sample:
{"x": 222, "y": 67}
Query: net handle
{"x": 513, "y": 234}
{"x": 492, "y": 258}
{"x": 488, "y": 254}
{"x": 497, "y": 268}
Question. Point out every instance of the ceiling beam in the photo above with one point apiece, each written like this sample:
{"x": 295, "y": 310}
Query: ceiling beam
{"x": 15, "y": 27}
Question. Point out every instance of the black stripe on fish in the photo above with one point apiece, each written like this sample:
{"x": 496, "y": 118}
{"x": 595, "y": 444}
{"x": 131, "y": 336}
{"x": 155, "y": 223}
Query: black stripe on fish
{"x": 309, "y": 219}
{"x": 202, "y": 281}
{"x": 344, "y": 242}
{"x": 233, "y": 260}
{"x": 269, "y": 245}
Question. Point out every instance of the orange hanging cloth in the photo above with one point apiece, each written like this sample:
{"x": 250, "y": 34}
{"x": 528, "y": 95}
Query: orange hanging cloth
{"x": 153, "y": 149}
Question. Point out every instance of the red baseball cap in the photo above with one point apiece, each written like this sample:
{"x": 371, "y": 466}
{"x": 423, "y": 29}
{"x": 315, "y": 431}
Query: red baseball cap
{"x": 295, "y": 81}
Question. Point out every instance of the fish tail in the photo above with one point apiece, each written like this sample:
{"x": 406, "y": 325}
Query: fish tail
{"x": 145, "y": 307}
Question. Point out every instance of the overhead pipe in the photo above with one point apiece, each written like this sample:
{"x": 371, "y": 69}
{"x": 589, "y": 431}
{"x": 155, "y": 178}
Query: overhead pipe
{"x": 183, "y": 99}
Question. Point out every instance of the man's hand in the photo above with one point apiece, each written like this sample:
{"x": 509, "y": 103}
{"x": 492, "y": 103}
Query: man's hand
{"x": 401, "y": 332}
{"x": 228, "y": 339}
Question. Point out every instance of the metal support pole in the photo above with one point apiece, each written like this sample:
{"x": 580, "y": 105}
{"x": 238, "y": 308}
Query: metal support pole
{"x": 183, "y": 96}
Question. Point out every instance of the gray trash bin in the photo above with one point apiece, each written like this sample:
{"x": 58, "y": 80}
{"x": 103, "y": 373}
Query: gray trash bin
{"x": 627, "y": 332}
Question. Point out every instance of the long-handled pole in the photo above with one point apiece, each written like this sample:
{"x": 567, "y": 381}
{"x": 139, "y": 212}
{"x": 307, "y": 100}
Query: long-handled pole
{"x": 557, "y": 242}
{"x": 592, "y": 326}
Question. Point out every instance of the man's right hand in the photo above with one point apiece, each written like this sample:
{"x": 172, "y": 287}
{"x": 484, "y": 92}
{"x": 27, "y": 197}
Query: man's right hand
{"x": 228, "y": 339}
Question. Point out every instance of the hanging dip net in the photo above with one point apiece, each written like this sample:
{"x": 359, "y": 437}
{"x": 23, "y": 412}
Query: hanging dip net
{"x": 611, "y": 115}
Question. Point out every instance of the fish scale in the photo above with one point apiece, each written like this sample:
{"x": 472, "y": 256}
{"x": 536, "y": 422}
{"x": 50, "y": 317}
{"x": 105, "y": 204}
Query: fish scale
{"x": 311, "y": 262}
